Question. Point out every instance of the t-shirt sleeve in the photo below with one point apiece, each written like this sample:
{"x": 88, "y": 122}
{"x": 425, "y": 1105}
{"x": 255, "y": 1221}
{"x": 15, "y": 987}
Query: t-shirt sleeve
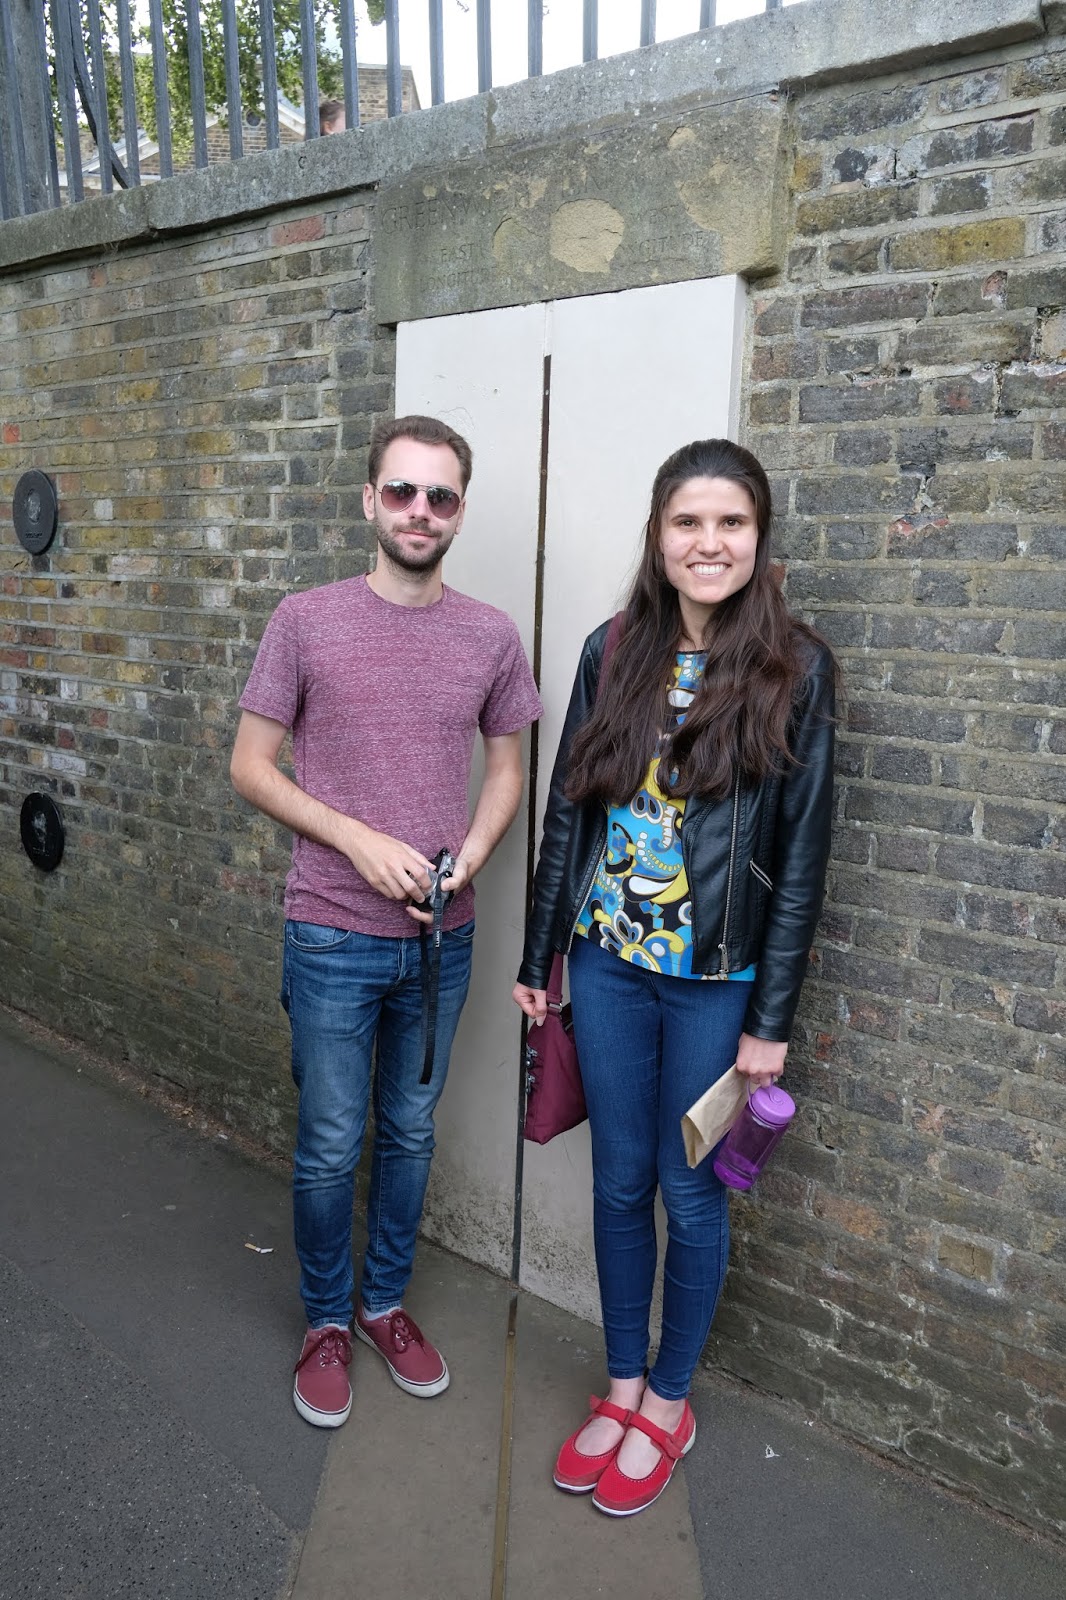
{"x": 273, "y": 688}
{"x": 513, "y": 701}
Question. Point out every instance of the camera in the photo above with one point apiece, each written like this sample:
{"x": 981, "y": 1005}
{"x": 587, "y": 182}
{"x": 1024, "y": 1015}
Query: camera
{"x": 443, "y": 866}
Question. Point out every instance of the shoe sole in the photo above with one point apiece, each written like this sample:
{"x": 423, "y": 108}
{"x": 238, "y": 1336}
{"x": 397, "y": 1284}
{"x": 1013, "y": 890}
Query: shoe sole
{"x": 573, "y": 1488}
{"x": 634, "y": 1511}
{"x": 320, "y": 1419}
{"x": 421, "y": 1391}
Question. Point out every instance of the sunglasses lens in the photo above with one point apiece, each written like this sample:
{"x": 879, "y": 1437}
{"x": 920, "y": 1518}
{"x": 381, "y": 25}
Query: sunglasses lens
{"x": 397, "y": 496}
{"x": 444, "y": 501}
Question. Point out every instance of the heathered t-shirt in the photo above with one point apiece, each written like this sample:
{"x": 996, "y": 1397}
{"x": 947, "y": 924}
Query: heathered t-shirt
{"x": 384, "y": 702}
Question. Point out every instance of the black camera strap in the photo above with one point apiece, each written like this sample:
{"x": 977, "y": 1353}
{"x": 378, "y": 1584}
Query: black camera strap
{"x": 430, "y": 942}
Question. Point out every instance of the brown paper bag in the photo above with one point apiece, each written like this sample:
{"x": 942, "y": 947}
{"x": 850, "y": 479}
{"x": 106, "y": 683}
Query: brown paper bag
{"x": 714, "y": 1112}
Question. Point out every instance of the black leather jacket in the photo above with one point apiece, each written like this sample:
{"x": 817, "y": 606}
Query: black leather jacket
{"x": 756, "y": 862}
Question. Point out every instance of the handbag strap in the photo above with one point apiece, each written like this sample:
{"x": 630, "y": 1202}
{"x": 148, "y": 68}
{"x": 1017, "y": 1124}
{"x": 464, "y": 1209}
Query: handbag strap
{"x": 614, "y": 633}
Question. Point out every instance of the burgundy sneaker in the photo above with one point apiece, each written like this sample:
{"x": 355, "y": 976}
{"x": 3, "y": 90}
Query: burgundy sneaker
{"x": 414, "y": 1363}
{"x": 322, "y": 1393}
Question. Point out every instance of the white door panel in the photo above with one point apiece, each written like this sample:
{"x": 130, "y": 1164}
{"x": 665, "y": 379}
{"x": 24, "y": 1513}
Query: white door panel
{"x": 632, "y": 377}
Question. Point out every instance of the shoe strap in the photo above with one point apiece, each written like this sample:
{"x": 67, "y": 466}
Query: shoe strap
{"x": 668, "y": 1443}
{"x": 607, "y": 1408}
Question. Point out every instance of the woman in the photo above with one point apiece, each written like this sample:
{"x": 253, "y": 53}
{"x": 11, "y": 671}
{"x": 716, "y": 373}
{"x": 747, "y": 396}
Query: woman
{"x": 685, "y": 840}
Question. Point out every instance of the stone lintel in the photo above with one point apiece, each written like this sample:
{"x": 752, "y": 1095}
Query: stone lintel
{"x": 694, "y": 196}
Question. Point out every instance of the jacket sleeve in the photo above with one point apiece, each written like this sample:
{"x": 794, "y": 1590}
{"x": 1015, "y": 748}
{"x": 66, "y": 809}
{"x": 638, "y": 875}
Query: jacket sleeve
{"x": 549, "y": 878}
{"x": 802, "y": 832}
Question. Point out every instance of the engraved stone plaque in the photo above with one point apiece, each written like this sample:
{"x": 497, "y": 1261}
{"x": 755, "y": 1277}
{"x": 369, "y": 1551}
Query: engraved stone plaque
{"x": 658, "y": 199}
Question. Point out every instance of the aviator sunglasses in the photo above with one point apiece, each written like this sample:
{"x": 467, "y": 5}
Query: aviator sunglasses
{"x": 398, "y": 494}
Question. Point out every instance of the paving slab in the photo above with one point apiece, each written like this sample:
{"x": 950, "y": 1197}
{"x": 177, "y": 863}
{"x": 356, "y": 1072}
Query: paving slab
{"x": 560, "y": 1545}
{"x": 408, "y": 1501}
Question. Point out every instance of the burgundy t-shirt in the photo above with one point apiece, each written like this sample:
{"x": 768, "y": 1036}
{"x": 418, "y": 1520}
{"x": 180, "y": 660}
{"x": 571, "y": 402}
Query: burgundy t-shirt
{"x": 384, "y": 702}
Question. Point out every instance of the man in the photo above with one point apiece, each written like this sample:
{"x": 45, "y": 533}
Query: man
{"x": 331, "y": 117}
{"x": 384, "y": 681}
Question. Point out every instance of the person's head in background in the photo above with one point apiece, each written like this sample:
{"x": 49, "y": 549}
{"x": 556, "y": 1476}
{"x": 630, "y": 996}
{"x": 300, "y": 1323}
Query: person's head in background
{"x": 331, "y": 117}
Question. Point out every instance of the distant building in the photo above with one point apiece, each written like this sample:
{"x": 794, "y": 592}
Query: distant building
{"x": 373, "y": 107}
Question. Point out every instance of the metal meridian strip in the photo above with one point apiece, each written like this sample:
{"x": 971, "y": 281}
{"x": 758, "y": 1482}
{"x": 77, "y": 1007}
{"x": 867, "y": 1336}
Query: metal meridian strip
{"x": 503, "y": 1474}
{"x": 707, "y": 10}
{"x": 503, "y": 1471}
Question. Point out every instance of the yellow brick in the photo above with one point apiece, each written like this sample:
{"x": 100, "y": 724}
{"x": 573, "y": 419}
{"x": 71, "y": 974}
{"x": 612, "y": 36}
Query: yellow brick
{"x": 807, "y": 172}
{"x": 210, "y": 444}
{"x": 997, "y": 239}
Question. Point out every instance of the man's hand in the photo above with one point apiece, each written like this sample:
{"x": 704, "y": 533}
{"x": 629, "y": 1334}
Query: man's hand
{"x": 534, "y": 1002}
{"x": 761, "y": 1060}
{"x": 451, "y": 885}
{"x": 393, "y": 868}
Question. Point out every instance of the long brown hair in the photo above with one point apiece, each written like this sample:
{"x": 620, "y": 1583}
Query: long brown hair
{"x": 737, "y": 724}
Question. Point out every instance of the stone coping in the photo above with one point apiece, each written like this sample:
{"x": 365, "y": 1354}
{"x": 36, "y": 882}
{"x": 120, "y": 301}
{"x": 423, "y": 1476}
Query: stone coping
{"x": 819, "y": 42}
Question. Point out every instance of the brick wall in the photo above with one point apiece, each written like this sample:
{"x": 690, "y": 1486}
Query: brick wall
{"x": 206, "y": 403}
{"x": 906, "y": 381}
{"x": 205, "y": 408}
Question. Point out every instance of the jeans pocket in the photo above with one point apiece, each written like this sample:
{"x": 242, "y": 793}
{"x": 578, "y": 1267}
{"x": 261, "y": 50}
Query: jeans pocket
{"x": 464, "y": 934}
{"x": 312, "y": 936}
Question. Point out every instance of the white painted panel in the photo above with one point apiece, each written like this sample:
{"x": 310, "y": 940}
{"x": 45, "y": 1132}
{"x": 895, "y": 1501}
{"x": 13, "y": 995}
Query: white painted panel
{"x": 483, "y": 374}
{"x": 633, "y": 376}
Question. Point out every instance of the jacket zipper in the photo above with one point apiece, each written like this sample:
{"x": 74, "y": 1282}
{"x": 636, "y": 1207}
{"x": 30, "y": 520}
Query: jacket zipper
{"x": 723, "y": 971}
{"x": 585, "y": 891}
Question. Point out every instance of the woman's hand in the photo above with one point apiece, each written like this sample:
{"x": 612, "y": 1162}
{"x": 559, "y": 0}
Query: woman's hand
{"x": 534, "y": 1002}
{"x": 761, "y": 1060}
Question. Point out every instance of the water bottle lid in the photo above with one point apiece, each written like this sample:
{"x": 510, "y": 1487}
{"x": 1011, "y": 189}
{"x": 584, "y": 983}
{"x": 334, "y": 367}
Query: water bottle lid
{"x": 772, "y": 1106}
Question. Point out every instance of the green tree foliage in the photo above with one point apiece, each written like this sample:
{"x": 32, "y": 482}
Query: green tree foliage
{"x": 287, "y": 56}
{"x": 288, "y": 61}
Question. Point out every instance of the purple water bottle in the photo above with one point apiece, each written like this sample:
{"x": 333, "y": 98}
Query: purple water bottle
{"x": 756, "y": 1132}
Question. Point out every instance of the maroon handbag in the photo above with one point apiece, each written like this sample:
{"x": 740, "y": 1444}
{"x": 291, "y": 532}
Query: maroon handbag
{"x": 555, "y": 1100}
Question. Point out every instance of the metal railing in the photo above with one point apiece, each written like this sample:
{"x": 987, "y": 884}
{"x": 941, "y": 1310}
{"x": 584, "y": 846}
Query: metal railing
{"x": 91, "y": 100}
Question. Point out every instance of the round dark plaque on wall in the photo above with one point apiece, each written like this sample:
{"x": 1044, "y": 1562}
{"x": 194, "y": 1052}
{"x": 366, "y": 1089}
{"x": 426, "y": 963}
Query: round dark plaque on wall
{"x": 35, "y": 511}
{"x": 41, "y": 828}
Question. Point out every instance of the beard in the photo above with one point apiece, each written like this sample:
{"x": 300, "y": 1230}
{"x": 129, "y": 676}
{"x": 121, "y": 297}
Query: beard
{"x": 410, "y": 560}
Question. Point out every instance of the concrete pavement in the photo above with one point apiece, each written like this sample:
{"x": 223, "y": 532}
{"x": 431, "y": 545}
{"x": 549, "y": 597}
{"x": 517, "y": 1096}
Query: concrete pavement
{"x": 151, "y": 1451}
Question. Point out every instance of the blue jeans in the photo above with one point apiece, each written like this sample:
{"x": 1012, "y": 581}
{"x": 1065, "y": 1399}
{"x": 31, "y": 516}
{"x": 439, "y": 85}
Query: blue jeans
{"x": 346, "y": 993}
{"x": 649, "y": 1046}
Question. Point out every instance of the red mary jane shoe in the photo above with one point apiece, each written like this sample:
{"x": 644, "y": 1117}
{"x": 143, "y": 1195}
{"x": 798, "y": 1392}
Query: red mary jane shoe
{"x": 578, "y": 1473}
{"x": 621, "y": 1496}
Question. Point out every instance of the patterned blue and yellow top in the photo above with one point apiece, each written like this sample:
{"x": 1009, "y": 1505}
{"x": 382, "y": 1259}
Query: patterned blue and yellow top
{"x": 639, "y": 905}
